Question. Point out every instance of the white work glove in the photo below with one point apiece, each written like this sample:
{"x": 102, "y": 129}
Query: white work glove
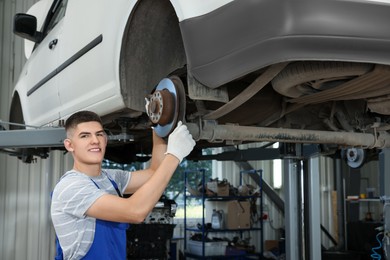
{"x": 180, "y": 142}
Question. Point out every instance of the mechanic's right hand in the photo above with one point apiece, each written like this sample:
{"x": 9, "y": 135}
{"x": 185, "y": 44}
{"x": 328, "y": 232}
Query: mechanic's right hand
{"x": 180, "y": 142}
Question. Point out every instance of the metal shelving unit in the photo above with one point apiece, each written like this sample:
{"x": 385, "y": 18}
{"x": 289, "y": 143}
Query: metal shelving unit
{"x": 205, "y": 231}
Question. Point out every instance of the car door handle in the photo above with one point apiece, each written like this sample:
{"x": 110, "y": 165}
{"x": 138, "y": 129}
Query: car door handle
{"x": 53, "y": 44}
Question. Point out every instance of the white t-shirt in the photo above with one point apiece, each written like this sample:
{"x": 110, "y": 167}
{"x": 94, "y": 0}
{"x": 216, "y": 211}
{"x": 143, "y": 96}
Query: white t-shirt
{"x": 71, "y": 198}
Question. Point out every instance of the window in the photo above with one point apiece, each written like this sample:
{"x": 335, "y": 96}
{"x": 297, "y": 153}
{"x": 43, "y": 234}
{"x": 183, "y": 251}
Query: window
{"x": 277, "y": 180}
{"x": 55, "y": 15}
{"x": 175, "y": 188}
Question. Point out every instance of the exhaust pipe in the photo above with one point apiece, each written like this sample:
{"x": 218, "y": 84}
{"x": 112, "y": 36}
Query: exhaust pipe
{"x": 213, "y": 132}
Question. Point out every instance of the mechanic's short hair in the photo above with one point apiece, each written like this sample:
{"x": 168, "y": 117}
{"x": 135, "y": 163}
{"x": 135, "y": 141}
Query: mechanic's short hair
{"x": 81, "y": 117}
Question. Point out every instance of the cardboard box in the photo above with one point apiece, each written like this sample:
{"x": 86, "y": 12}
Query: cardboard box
{"x": 271, "y": 244}
{"x": 238, "y": 215}
{"x": 221, "y": 189}
{"x": 210, "y": 248}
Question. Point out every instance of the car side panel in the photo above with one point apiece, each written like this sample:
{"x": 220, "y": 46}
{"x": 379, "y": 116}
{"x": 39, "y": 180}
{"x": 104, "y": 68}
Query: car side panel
{"x": 37, "y": 90}
{"x": 244, "y": 36}
{"x": 90, "y": 43}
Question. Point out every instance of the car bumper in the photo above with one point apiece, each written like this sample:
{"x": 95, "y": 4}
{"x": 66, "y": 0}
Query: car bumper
{"x": 244, "y": 36}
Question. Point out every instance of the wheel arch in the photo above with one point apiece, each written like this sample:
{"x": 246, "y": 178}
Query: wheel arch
{"x": 152, "y": 48}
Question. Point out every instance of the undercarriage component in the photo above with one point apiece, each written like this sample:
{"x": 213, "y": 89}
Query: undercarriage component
{"x": 124, "y": 136}
{"x": 249, "y": 92}
{"x": 198, "y": 91}
{"x": 211, "y": 131}
{"x": 167, "y": 105}
{"x": 380, "y": 105}
{"x": 369, "y": 85}
{"x": 355, "y": 157}
{"x": 306, "y": 78}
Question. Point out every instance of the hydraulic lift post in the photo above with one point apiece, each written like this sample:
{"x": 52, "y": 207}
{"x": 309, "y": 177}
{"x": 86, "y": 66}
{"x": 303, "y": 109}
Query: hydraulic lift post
{"x": 292, "y": 212}
{"x": 301, "y": 176}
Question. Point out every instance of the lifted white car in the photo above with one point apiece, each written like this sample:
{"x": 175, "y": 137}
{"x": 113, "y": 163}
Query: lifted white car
{"x": 296, "y": 71}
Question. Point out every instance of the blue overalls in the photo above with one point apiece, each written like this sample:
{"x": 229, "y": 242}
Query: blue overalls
{"x": 109, "y": 241}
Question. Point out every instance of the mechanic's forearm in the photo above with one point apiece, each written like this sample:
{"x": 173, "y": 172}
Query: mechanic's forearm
{"x": 158, "y": 152}
{"x": 145, "y": 198}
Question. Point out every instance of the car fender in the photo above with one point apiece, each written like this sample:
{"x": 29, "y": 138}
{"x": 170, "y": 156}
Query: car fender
{"x": 152, "y": 49}
{"x": 188, "y": 9}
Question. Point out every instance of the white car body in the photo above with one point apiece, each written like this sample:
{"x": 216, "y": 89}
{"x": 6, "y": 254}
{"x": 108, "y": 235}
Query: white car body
{"x": 99, "y": 89}
{"x": 100, "y": 92}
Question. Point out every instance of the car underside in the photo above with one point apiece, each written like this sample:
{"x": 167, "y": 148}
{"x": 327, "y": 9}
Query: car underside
{"x": 308, "y": 75}
{"x": 328, "y": 98}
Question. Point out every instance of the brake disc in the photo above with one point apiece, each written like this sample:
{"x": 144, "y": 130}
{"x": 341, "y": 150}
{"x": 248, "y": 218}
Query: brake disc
{"x": 167, "y": 105}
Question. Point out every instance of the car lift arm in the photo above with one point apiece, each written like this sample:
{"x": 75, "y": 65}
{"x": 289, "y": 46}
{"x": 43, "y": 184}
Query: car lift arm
{"x": 32, "y": 138}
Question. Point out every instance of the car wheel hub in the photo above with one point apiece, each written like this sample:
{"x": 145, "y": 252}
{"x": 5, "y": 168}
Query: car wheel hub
{"x": 167, "y": 105}
{"x": 161, "y": 107}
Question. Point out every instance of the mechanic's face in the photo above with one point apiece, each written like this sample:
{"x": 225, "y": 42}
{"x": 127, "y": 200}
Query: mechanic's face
{"x": 87, "y": 142}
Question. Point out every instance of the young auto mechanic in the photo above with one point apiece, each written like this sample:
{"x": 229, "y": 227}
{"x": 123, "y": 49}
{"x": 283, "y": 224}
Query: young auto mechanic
{"x": 89, "y": 214}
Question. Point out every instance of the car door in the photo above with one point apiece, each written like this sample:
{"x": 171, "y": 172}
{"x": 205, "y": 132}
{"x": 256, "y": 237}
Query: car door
{"x": 39, "y": 74}
{"x": 92, "y": 36}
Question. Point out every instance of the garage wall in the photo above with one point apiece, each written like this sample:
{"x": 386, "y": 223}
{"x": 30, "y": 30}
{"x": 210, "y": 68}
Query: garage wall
{"x": 25, "y": 226}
